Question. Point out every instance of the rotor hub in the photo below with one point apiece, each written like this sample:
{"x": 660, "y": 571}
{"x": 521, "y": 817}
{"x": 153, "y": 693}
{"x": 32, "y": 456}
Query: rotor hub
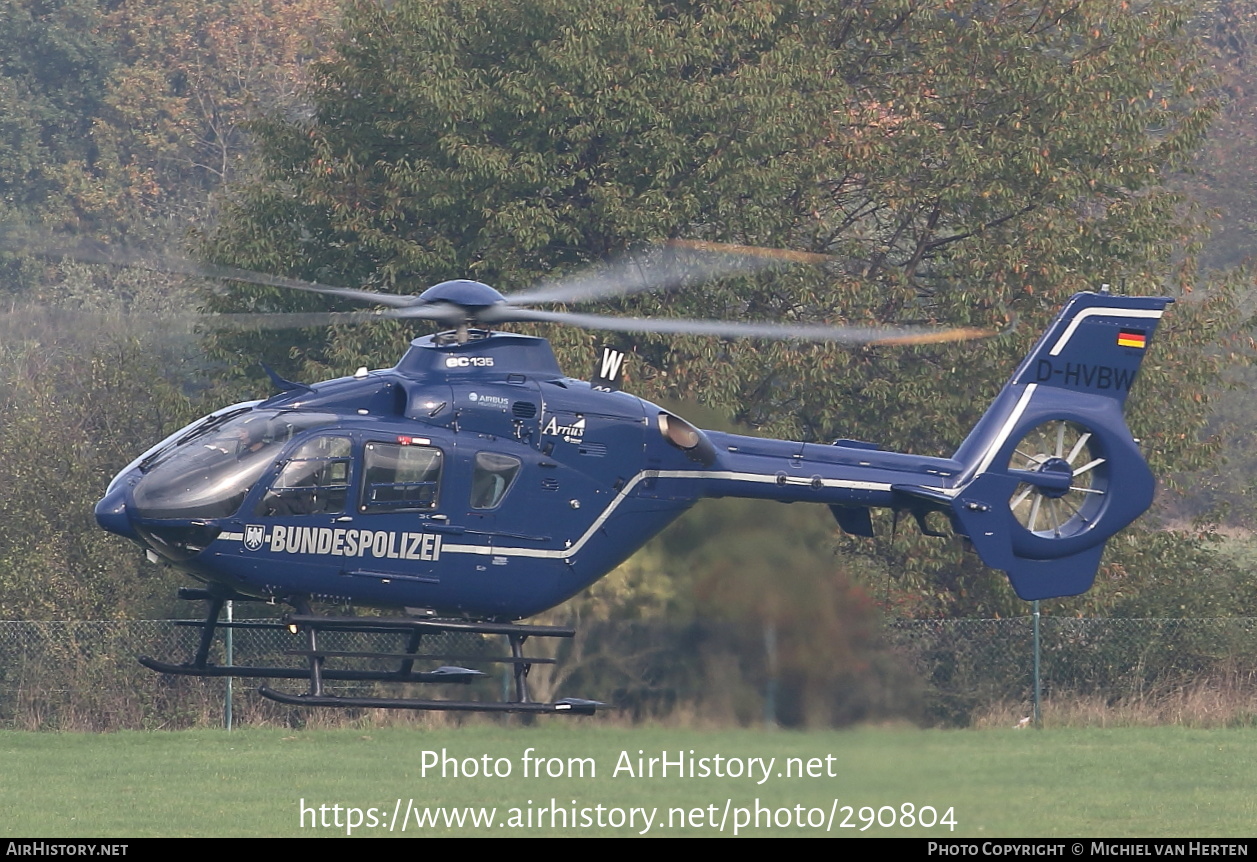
{"x": 1057, "y": 474}
{"x": 462, "y": 292}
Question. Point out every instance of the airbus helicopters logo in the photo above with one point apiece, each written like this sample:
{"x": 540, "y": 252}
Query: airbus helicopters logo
{"x": 489, "y": 400}
{"x": 573, "y": 433}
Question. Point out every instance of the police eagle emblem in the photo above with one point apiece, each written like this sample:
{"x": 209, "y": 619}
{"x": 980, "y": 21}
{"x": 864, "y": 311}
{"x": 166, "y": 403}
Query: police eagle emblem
{"x": 254, "y": 536}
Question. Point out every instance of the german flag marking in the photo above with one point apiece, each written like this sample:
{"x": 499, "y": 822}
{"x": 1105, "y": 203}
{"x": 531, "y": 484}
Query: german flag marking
{"x": 1132, "y": 338}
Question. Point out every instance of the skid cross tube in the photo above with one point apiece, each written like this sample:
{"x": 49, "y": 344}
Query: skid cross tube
{"x": 329, "y": 674}
{"x": 317, "y": 672}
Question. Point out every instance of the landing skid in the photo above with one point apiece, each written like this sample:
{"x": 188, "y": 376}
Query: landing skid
{"x": 317, "y": 672}
{"x": 570, "y": 706}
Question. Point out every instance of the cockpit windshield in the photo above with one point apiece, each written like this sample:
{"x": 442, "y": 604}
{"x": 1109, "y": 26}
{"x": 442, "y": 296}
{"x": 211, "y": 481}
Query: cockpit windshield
{"x": 208, "y": 475}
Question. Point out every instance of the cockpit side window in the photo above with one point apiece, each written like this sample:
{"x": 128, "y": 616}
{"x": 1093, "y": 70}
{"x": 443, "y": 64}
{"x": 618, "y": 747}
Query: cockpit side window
{"x": 397, "y": 477}
{"x": 313, "y": 481}
{"x": 492, "y": 478}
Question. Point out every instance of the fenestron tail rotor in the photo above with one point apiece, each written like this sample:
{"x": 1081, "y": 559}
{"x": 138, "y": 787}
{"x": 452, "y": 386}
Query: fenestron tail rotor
{"x": 1067, "y": 479}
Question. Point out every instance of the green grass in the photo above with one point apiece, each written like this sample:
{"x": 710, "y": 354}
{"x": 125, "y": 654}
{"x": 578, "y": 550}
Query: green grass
{"x": 1127, "y": 782}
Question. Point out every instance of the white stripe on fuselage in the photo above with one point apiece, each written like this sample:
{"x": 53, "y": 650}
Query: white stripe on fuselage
{"x": 626, "y": 491}
{"x": 729, "y": 475}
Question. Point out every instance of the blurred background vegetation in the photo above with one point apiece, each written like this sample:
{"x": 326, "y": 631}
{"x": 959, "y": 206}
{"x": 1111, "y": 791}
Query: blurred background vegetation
{"x": 962, "y": 163}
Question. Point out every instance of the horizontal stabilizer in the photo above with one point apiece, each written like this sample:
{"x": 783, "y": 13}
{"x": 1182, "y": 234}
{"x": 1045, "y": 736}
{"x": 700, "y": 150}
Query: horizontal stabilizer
{"x": 911, "y": 496}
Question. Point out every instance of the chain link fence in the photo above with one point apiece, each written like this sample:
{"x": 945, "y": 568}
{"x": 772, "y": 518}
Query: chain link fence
{"x": 84, "y": 675}
{"x": 1153, "y": 667}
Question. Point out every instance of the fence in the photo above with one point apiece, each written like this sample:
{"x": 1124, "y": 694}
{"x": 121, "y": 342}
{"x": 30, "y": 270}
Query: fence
{"x": 83, "y": 675}
{"x": 972, "y": 666}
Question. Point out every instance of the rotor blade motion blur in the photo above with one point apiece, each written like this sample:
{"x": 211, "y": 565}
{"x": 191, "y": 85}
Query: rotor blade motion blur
{"x": 664, "y": 267}
{"x": 738, "y": 329}
{"x": 667, "y": 266}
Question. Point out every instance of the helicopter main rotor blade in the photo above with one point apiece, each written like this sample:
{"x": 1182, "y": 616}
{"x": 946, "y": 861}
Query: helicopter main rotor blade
{"x": 444, "y": 314}
{"x": 86, "y": 251}
{"x": 34, "y": 322}
{"x": 653, "y": 270}
{"x": 392, "y": 300}
{"x": 735, "y": 329}
{"x": 784, "y": 255}
{"x": 287, "y": 320}
{"x": 659, "y": 269}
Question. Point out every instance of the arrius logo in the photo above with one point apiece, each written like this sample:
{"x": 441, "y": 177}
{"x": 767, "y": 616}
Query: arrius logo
{"x": 573, "y": 433}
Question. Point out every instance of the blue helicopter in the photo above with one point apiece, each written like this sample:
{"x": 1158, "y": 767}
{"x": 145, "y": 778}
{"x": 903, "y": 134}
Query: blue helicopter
{"x": 474, "y": 484}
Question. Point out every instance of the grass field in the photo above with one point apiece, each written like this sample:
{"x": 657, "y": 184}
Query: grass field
{"x": 1122, "y": 782}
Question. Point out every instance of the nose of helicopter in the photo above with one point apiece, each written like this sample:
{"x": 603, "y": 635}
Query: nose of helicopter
{"x": 111, "y": 513}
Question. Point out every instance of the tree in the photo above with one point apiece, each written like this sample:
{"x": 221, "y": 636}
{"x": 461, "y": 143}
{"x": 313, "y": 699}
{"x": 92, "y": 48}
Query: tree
{"x": 115, "y": 117}
{"x": 1222, "y": 178}
{"x": 52, "y": 69}
{"x": 76, "y": 399}
{"x": 963, "y": 163}
{"x": 118, "y": 120}
{"x": 189, "y": 76}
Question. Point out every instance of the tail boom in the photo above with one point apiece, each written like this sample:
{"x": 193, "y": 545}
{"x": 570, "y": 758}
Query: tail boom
{"x": 1047, "y": 476}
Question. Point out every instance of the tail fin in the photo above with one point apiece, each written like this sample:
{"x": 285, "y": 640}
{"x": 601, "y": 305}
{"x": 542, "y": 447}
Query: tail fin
{"x": 1051, "y": 471}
